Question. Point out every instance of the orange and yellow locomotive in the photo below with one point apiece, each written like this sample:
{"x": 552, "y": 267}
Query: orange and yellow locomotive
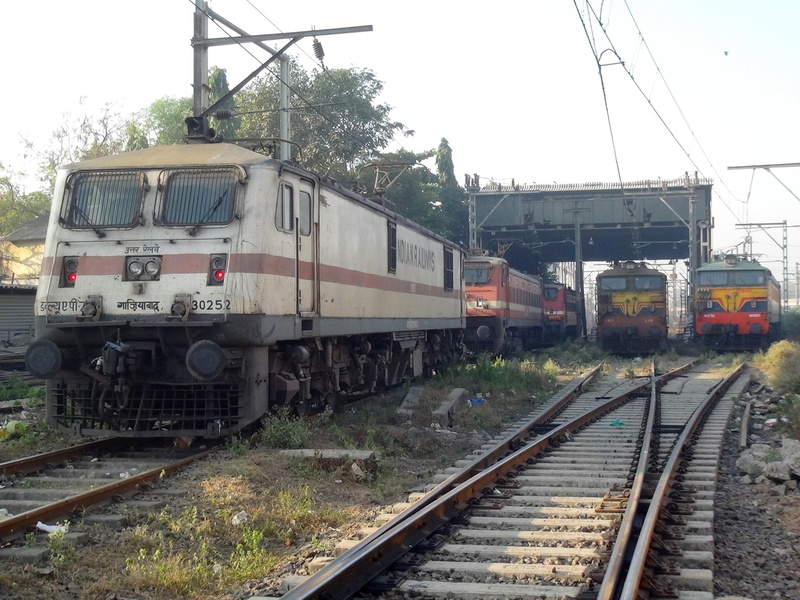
{"x": 631, "y": 309}
{"x": 737, "y": 304}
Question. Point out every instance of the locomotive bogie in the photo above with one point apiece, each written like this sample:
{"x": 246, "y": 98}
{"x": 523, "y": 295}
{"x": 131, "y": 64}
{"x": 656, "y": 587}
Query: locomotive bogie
{"x": 186, "y": 290}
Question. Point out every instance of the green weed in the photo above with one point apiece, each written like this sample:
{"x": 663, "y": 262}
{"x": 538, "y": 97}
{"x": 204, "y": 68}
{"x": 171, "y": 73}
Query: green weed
{"x": 282, "y": 430}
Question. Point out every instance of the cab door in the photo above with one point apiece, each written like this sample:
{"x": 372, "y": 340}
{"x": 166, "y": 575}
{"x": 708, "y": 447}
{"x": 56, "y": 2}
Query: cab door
{"x": 307, "y": 232}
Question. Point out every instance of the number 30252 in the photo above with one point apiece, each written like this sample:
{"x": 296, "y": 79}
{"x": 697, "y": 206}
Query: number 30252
{"x": 219, "y": 304}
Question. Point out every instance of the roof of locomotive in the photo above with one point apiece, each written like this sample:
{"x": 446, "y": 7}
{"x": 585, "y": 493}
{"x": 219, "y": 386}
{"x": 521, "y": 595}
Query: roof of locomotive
{"x": 637, "y": 268}
{"x": 179, "y": 155}
{"x": 495, "y": 260}
{"x": 175, "y": 155}
{"x": 733, "y": 262}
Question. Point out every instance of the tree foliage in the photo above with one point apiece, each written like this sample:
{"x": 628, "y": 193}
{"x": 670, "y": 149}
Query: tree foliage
{"x": 339, "y": 128}
{"x": 81, "y": 137}
{"x": 17, "y": 208}
{"x": 336, "y": 121}
{"x": 218, "y": 82}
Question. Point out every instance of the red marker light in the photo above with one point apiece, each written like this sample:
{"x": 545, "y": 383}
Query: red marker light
{"x": 72, "y": 277}
{"x": 219, "y": 274}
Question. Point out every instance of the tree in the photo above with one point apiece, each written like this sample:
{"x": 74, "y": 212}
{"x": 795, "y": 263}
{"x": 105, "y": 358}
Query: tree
{"x": 81, "y": 137}
{"x": 17, "y": 208}
{"x": 452, "y": 197}
{"x": 218, "y": 82}
{"x": 337, "y": 122}
{"x": 164, "y": 121}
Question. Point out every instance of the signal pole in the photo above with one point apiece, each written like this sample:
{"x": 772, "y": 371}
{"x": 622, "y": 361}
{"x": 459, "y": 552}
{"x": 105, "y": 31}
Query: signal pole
{"x": 198, "y": 127}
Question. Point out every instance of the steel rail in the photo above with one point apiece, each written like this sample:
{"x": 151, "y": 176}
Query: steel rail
{"x": 37, "y": 462}
{"x": 632, "y": 582}
{"x": 351, "y": 571}
{"x": 616, "y": 563}
{"x": 15, "y": 526}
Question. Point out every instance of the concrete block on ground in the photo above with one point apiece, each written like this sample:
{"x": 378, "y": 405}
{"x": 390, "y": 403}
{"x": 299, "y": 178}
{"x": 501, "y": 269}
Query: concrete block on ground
{"x": 445, "y": 414}
{"x": 410, "y": 401}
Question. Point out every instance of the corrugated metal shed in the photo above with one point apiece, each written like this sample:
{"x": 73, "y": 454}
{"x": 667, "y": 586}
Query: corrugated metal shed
{"x": 16, "y": 314}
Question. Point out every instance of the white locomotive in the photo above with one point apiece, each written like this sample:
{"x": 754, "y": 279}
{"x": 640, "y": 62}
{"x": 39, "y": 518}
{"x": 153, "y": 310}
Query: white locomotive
{"x": 186, "y": 290}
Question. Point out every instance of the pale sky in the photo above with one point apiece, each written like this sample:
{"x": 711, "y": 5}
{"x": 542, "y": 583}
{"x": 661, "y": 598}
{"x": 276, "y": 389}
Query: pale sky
{"x": 512, "y": 84}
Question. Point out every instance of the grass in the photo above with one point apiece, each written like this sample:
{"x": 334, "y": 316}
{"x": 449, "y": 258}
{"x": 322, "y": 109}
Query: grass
{"x": 16, "y": 389}
{"x": 781, "y": 365}
{"x": 191, "y": 547}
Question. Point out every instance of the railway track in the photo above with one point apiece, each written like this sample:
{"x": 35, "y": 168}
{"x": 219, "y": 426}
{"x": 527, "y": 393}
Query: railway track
{"x": 606, "y": 493}
{"x": 62, "y": 484}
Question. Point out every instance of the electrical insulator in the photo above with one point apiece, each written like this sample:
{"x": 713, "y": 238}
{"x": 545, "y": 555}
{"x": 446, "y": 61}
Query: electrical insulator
{"x": 318, "y": 51}
{"x": 223, "y": 113}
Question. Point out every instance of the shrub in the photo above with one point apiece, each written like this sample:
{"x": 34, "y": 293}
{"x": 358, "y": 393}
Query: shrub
{"x": 781, "y": 365}
{"x": 282, "y": 430}
{"x": 790, "y": 325}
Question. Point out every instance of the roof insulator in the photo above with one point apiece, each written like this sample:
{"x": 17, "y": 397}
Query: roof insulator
{"x": 318, "y": 51}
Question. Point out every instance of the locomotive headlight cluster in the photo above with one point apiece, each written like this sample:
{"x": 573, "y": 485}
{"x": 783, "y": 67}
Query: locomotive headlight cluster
{"x": 138, "y": 268}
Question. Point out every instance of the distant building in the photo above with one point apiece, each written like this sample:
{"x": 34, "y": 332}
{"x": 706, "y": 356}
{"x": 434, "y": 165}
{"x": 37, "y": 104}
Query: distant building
{"x": 21, "y": 253}
{"x": 16, "y": 314}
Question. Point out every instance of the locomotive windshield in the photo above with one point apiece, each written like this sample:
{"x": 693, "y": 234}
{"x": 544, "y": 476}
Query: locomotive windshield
{"x": 611, "y": 283}
{"x": 721, "y": 278}
{"x": 648, "y": 282}
{"x": 199, "y": 196}
{"x": 641, "y": 282}
{"x": 476, "y": 274}
{"x": 104, "y": 199}
{"x": 551, "y": 293}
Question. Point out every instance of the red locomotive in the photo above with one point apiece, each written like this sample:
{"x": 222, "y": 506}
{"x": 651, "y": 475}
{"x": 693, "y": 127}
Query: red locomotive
{"x": 505, "y": 307}
{"x": 560, "y": 312}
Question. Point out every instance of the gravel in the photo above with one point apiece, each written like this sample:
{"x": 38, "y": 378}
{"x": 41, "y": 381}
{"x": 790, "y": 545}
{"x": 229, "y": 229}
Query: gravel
{"x": 756, "y": 531}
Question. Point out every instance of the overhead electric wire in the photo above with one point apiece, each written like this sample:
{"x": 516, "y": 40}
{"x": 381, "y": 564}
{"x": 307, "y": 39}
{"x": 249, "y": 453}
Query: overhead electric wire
{"x": 675, "y": 101}
{"x": 597, "y": 58}
{"x": 335, "y": 124}
{"x": 647, "y": 99}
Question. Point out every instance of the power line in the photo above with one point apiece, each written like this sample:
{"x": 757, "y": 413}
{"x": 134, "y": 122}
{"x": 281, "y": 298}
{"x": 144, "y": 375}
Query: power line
{"x": 649, "y": 102}
{"x": 335, "y": 124}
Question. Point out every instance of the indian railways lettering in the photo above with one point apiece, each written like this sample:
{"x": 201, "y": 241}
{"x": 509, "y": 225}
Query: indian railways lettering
{"x": 411, "y": 254}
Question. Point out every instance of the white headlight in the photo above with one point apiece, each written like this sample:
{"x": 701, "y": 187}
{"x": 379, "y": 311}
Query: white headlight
{"x": 152, "y": 267}
{"x": 135, "y": 268}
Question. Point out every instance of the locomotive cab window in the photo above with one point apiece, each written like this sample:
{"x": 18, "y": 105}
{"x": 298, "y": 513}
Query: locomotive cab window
{"x": 199, "y": 196}
{"x": 648, "y": 282}
{"x": 99, "y": 199}
{"x": 284, "y": 213}
{"x": 306, "y": 213}
{"x": 747, "y": 277}
{"x": 612, "y": 283}
{"x": 448, "y": 269}
{"x": 392, "y": 246}
{"x": 476, "y": 274}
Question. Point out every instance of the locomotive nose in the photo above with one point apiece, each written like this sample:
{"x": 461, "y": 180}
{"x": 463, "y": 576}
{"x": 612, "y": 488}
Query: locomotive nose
{"x": 43, "y": 359}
